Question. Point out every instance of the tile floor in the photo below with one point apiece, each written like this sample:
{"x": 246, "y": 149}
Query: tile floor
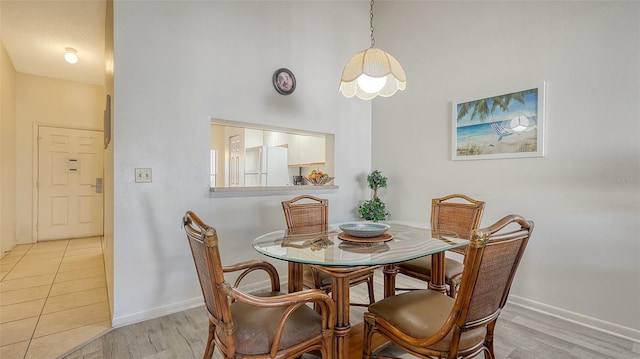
{"x": 53, "y": 297}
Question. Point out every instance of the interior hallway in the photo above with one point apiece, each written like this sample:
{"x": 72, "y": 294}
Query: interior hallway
{"x": 53, "y": 297}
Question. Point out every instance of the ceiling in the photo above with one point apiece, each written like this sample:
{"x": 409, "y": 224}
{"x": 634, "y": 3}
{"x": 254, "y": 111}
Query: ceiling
{"x": 36, "y": 33}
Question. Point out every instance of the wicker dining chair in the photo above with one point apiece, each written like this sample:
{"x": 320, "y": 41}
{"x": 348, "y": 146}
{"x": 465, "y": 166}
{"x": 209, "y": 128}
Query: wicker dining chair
{"x": 456, "y": 213}
{"x": 308, "y": 210}
{"x": 426, "y": 323}
{"x": 257, "y": 325}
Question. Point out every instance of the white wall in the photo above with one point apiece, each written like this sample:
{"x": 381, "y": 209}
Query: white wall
{"x": 583, "y": 261}
{"x": 107, "y": 243}
{"x": 7, "y": 153}
{"x": 179, "y": 64}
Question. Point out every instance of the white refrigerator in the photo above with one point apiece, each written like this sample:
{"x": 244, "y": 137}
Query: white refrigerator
{"x": 266, "y": 166}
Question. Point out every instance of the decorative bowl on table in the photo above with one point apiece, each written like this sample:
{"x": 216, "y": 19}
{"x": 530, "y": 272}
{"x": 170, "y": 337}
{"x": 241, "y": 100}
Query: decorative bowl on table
{"x": 364, "y": 229}
{"x": 318, "y": 178}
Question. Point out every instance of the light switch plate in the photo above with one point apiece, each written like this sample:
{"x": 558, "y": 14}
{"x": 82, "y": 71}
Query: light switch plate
{"x": 143, "y": 175}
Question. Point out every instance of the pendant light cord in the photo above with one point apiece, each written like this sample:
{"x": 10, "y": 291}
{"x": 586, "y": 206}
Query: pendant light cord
{"x": 373, "y": 40}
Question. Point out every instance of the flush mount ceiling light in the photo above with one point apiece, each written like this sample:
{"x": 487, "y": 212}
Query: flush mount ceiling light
{"x": 372, "y": 72}
{"x": 71, "y": 55}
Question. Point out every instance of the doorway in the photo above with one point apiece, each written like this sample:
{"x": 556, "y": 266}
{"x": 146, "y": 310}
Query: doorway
{"x": 235, "y": 157}
{"x": 69, "y": 183}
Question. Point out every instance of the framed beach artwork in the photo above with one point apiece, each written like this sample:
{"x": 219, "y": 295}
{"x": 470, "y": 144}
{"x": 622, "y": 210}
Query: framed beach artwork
{"x": 508, "y": 124}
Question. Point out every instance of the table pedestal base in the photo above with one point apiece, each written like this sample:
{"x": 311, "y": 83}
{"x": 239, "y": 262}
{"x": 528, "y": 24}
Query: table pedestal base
{"x": 340, "y": 294}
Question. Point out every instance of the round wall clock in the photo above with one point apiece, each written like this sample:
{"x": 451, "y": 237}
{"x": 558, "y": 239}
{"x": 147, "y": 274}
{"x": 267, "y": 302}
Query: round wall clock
{"x": 284, "y": 81}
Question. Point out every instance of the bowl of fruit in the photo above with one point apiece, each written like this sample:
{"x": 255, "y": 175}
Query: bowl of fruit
{"x": 318, "y": 178}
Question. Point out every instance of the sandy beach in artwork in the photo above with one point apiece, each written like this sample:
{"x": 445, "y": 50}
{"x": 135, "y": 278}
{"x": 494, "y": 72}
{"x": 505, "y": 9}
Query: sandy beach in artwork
{"x": 488, "y": 144}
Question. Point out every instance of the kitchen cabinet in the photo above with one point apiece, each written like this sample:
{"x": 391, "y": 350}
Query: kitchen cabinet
{"x": 253, "y": 138}
{"x": 311, "y": 150}
{"x": 293, "y": 144}
{"x": 276, "y": 138}
{"x": 306, "y": 151}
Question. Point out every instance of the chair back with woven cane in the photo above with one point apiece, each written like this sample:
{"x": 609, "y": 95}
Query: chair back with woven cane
{"x": 306, "y": 210}
{"x": 456, "y": 213}
{"x": 427, "y": 323}
{"x": 256, "y": 325}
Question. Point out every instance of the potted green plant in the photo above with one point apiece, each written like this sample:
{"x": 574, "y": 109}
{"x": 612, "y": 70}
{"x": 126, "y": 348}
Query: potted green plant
{"x": 374, "y": 209}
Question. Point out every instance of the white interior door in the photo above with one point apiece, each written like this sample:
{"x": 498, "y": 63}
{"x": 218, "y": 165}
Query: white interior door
{"x": 236, "y": 172}
{"x": 69, "y": 183}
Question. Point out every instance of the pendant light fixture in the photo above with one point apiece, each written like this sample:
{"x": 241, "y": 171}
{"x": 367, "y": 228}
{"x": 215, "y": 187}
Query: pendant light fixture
{"x": 372, "y": 72}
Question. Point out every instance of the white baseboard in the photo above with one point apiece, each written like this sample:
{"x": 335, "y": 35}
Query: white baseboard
{"x": 128, "y": 319}
{"x": 590, "y": 322}
{"x": 152, "y": 313}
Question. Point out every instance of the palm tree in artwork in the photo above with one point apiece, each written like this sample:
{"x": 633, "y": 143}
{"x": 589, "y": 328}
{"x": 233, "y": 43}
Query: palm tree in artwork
{"x": 485, "y": 107}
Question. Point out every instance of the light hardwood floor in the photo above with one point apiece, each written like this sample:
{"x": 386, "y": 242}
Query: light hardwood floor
{"x": 520, "y": 334}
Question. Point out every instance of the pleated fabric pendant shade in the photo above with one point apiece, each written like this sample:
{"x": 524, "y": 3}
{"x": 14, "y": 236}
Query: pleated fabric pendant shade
{"x": 370, "y": 73}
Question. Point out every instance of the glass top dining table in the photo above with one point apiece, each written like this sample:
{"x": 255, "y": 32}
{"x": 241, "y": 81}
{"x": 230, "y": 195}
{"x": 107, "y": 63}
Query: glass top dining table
{"x": 329, "y": 250}
{"x": 328, "y": 246}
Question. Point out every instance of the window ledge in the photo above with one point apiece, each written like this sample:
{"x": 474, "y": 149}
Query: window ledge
{"x": 266, "y": 191}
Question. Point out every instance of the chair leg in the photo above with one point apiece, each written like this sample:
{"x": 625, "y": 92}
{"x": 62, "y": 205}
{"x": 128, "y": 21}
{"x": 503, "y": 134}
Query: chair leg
{"x": 488, "y": 341}
{"x": 453, "y": 284}
{"x": 366, "y": 337}
{"x": 452, "y": 289}
{"x": 328, "y": 344}
{"x": 211, "y": 344}
{"x": 372, "y": 296}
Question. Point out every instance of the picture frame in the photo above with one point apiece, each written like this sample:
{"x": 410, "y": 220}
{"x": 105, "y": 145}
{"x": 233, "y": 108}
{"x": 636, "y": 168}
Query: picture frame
{"x": 507, "y": 124}
{"x": 284, "y": 81}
